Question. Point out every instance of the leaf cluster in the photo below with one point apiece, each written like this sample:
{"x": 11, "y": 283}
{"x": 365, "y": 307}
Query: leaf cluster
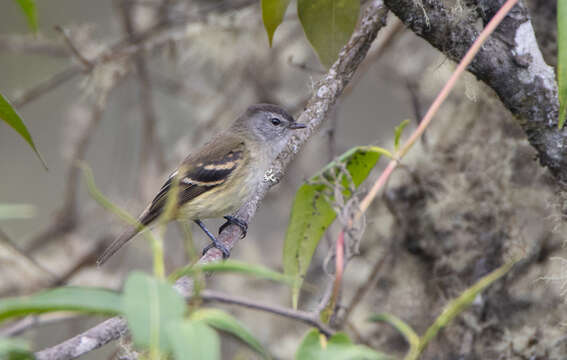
{"x": 327, "y": 24}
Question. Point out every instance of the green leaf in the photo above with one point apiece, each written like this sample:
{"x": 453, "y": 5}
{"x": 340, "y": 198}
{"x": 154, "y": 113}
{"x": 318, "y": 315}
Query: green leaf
{"x": 15, "y": 349}
{"x": 221, "y": 320}
{"x": 150, "y": 305}
{"x": 312, "y": 213}
{"x": 193, "y": 340}
{"x": 28, "y": 7}
{"x": 11, "y": 117}
{"x": 460, "y": 304}
{"x": 81, "y": 299}
{"x": 328, "y": 24}
{"x": 338, "y": 347}
{"x": 273, "y": 12}
{"x": 16, "y": 211}
{"x": 398, "y": 133}
{"x": 562, "y": 59}
{"x": 233, "y": 266}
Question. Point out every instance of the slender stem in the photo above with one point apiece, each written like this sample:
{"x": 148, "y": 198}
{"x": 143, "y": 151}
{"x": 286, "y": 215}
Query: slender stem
{"x": 309, "y": 318}
{"x": 467, "y": 59}
{"x": 365, "y": 203}
{"x": 339, "y": 267}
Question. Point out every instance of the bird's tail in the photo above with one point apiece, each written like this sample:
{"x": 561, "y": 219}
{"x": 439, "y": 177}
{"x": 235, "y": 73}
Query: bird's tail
{"x": 117, "y": 244}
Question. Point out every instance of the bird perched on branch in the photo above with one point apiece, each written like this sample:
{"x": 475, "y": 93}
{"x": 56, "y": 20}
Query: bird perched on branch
{"x": 221, "y": 176}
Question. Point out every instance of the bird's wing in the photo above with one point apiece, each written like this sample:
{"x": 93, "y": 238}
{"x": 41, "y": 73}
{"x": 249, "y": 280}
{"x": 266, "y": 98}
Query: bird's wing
{"x": 199, "y": 173}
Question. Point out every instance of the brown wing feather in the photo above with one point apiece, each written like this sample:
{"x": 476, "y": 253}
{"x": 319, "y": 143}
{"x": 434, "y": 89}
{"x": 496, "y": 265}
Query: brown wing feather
{"x": 194, "y": 181}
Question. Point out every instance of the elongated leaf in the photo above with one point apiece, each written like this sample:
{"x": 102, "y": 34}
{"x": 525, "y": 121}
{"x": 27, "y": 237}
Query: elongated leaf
{"x": 562, "y": 59}
{"x": 81, "y": 299}
{"x": 328, "y": 24}
{"x": 150, "y": 306}
{"x": 15, "y": 349}
{"x": 16, "y": 211}
{"x": 221, "y": 320}
{"x": 28, "y": 7}
{"x": 11, "y": 117}
{"x": 457, "y": 306}
{"x": 398, "y": 133}
{"x": 193, "y": 340}
{"x": 338, "y": 347}
{"x": 273, "y": 12}
{"x": 312, "y": 214}
{"x": 232, "y": 266}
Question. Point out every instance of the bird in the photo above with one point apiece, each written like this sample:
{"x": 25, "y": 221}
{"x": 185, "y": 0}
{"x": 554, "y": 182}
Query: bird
{"x": 219, "y": 177}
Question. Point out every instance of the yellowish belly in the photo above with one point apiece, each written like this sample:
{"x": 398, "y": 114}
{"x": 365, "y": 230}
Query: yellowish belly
{"x": 221, "y": 200}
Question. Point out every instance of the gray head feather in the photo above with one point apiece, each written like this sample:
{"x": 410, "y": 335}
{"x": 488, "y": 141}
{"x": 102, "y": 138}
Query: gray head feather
{"x": 268, "y": 124}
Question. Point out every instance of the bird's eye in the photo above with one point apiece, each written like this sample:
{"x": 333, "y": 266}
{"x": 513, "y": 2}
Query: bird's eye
{"x": 275, "y": 121}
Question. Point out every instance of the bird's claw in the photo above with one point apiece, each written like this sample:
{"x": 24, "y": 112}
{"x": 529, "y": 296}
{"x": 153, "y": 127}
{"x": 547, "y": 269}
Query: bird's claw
{"x": 231, "y": 220}
{"x": 217, "y": 244}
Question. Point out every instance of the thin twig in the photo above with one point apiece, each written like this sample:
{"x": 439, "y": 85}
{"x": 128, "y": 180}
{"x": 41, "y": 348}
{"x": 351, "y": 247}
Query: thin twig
{"x": 326, "y": 297}
{"x": 83, "y": 60}
{"x": 19, "y": 327}
{"x": 310, "y": 318}
{"x": 26, "y": 44}
{"x": 30, "y": 261}
{"x": 46, "y": 85}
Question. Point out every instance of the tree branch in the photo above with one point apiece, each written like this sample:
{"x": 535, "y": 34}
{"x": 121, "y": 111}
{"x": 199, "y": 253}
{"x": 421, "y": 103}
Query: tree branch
{"x": 68, "y": 217}
{"x": 150, "y": 138}
{"x": 326, "y": 92}
{"x": 510, "y": 63}
{"x": 150, "y": 39}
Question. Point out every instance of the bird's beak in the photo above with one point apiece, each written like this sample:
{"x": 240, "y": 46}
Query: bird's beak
{"x": 295, "y": 126}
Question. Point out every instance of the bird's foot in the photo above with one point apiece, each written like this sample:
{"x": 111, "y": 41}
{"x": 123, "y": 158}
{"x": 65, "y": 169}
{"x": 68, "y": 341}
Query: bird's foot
{"x": 214, "y": 242}
{"x": 231, "y": 220}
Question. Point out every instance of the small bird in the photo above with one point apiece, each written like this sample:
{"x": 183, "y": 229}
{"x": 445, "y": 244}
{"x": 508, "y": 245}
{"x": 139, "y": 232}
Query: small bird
{"x": 221, "y": 176}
